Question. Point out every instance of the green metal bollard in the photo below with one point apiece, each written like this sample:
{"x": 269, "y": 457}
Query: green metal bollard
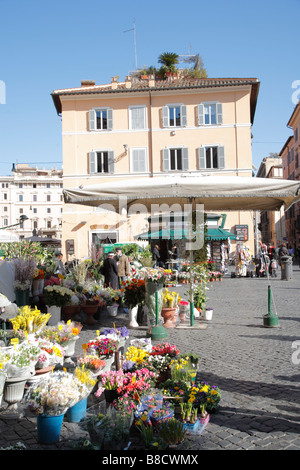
{"x": 158, "y": 332}
{"x": 270, "y": 320}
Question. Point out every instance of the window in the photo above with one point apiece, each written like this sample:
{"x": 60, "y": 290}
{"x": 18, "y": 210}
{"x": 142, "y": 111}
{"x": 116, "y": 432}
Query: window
{"x": 100, "y": 119}
{"x": 5, "y": 209}
{"x": 138, "y": 163}
{"x": 21, "y": 211}
{"x": 102, "y": 161}
{"x": 5, "y": 222}
{"x": 20, "y": 185}
{"x": 137, "y": 117}
{"x": 48, "y": 224}
{"x": 210, "y": 114}
{"x": 34, "y": 197}
{"x": 175, "y": 159}
{"x": 35, "y": 225}
{"x": 48, "y": 210}
{"x": 48, "y": 198}
{"x": 5, "y": 196}
{"x": 174, "y": 116}
{"x": 48, "y": 185}
{"x": 20, "y": 197}
{"x": 211, "y": 157}
{"x": 34, "y": 185}
{"x": 34, "y": 210}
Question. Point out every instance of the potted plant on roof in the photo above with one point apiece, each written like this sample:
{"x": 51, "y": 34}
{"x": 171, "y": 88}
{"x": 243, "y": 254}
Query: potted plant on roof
{"x": 169, "y": 60}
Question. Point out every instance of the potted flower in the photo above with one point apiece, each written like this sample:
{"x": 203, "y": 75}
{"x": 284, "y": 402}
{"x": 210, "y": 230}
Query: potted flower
{"x": 134, "y": 297}
{"x": 110, "y": 382}
{"x": 189, "y": 416}
{"x": 158, "y": 415}
{"x": 92, "y": 363}
{"x": 50, "y": 399}
{"x": 64, "y": 334}
{"x": 56, "y": 297}
{"x": 24, "y": 268}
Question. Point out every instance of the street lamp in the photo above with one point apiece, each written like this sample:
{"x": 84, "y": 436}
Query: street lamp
{"x": 23, "y": 217}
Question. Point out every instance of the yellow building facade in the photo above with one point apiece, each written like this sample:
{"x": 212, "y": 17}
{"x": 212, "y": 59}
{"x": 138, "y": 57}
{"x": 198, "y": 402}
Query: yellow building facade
{"x": 148, "y": 127}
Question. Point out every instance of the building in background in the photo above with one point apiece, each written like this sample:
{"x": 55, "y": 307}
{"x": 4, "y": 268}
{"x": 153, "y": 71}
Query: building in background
{"x": 149, "y": 127}
{"x": 272, "y": 223}
{"x": 35, "y": 194}
{"x": 290, "y": 154}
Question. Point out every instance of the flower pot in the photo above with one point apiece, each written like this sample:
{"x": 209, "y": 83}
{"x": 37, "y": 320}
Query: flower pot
{"x": 169, "y": 315}
{"x": 133, "y": 317}
{"x": 2, "y": 383}
{"x": 192, "y": 427}
{"x": 90, "y": 310}
{"x": 70, "y": 347}
{"x": 55, "y": 315}
{"x": 110, "y": 395}
{"x": 49, "y": 428}
{"x": 77, "y": 412}
{"x": 207, "y": 314}
{"x": 69, "y": 311}
{"x": 22, "y": 297}
{"x": 112, "y": 310}
{"x": 182, "y": 317}
{"x": 14, "y": 389}
{"x": 35, "y": 290}
{"x": 204, "y": 421}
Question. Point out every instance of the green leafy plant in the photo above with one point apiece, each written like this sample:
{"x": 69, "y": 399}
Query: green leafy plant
{"x": 172, "y": 431}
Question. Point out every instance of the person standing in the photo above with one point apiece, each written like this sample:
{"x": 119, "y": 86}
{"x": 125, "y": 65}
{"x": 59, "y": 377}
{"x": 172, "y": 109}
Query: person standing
{"x": 123, "y": 265}
{"x": 59, "y": 268}
{"x": 174, "y": 256}
{"x": 156, "y": 257}
{"x": 110, "y": 271}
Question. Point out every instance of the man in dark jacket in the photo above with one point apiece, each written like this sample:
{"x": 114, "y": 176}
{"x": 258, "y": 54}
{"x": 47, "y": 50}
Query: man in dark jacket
{"x": 110, "y": 270}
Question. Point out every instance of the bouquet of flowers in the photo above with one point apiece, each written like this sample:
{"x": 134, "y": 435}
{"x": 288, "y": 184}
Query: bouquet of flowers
{"x": 7, "y": 335}
{"x": 90, "y": 362}
{"x": 38, "y": 274}
{"x": 52, "y": 395}
{"x": 204, "y": 394}
{"x": 134, "y": 292}
{"x": 136, "y": 355}
{"x": 53, "y": 281}
{"x": 22, "y": 360}
{"x": 83, "y": 382}
{"x": 24, "y": 268}
{"x": 170, "y": 299}
{"x": 30, "y": 320}
{"x": 111, "y": 380}
{"x": 57, "y": 295}
{"x": 162, "y": 349}
{"x": 102, "y": 347}
{"x": 62, "y": 333}
{"x": 112, "y": 296}
{"x": 50, "y": 354}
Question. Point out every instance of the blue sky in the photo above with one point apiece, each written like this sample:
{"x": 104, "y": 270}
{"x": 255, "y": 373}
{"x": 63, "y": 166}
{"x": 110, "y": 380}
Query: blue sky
{"x": 46, "y": 45}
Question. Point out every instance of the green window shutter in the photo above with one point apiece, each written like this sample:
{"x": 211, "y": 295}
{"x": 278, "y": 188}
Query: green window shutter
{"x": 111, "y": 162}
{"x": 219, "y": 113}
{"x": 200, "y": 114}
{"x": 92, "y": 123}
{"x": 165, "y": 114}
{"x": 109, "y": 119}
{"x": 185, "y": 158}
{"x": 201, "y": 158}
{"x": 221, "y": 157}
{"x": 166, "y": 160}
{"x": 92, "y": 162}
{"x": 183, "y": 120}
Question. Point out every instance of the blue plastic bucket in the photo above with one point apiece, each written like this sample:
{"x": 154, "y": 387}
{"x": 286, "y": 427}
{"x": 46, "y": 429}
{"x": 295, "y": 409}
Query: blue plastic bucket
{"x": 49, "y": 428}
{"x": 77, "y": 412}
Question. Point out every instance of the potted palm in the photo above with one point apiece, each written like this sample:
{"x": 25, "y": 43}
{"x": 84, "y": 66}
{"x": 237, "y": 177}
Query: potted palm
{"x": 168, "y": 61}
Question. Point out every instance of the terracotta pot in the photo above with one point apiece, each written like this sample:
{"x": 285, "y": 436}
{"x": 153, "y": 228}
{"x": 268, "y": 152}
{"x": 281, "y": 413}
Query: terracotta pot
{"x": 169, "y": 315}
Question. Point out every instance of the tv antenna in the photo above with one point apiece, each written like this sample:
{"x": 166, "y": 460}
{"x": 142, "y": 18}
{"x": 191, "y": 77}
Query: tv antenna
{"x": 134, "y": 37}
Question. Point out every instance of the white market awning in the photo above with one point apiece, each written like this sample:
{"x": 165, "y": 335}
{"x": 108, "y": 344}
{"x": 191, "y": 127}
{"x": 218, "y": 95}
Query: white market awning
{"x": 215, "y": 192}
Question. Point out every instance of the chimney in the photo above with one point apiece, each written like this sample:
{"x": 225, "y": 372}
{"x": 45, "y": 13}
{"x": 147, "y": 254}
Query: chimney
{"x": 114, "y": 82}
{"x": 151, "y": 81}
{"x": 128, "y": 81}
{"x": 85, "y": 83}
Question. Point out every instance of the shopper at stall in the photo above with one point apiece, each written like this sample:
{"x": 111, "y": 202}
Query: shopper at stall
{"x": 110, "y": 271}
{"x": 123, "y": 265}
{"x": 156, "y": 257}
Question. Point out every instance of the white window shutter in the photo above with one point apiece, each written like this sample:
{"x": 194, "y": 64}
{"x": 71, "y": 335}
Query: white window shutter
{"x": 92, "y": 162}
{"x": 219, "y": 113}
{"x": 166, "y": 160}
{"x": 200, "y": 114}
{"x": 111, "y": 161}
{"x": 183, "y": 120}
{"x": 221, "y": 157}
{"x": 201, "y": 157}
{"x": 109, "y": 119}
{"x": 165, "y": 112}
{"x": 185, "y": 158}
{"x": 92, "y": 120}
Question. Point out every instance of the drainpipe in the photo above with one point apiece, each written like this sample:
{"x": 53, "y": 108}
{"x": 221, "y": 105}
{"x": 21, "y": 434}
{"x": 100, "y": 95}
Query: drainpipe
{"x": 150, "y": 135}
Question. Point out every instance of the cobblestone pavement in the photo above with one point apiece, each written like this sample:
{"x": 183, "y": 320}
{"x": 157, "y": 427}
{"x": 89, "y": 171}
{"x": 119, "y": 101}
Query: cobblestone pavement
{"x": 253, "y": 365}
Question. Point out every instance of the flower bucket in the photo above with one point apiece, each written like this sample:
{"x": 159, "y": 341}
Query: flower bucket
{"x": 77, "y": 412}
{"x": 70, "y": 347}
{"x": 49, "y": 428}
{"x": 112, "y": 310}
{"x": 110, "y": 395}
{"x": 55, "y": 315}
{"x": 207, "y": 314}
{"x": 14, "y": 389}
{"x": 133, "y": 317}
{"x": 22, "y": 297}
